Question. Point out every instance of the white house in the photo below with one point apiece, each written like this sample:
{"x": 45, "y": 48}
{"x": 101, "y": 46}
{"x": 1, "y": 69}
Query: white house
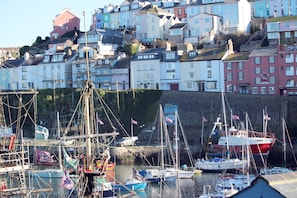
{"x": 145, "y": 70}
{"x": 236, "y": 14}
{"x": 202, "y": 28}
{"x": 203, "y": 70}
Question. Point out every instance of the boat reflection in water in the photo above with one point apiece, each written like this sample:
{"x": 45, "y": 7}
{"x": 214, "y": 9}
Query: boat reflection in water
{"x": 187, "y": 187}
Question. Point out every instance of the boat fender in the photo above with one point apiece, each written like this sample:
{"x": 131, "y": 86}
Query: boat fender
{"x": 11, "y": 142}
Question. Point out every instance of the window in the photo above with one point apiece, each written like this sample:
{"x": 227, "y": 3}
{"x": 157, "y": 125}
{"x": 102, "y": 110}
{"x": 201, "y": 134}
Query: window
{"x": 191, "y": 65}
{"x": 289, "y": 58}
{"x": 254, "y": 90}
{"x": 189, "y": 85}
{"x": 272, "y": 79}
{"x": 271, "y": 90}
{"x": 258, "y": 70}
{"x": 24, "y": 69}
{"x": 211, "y": 85}
{"x": 229, "y": 66}
{"x": 290, "y": 83}
{"x": 208, "y": 63}
{"x": 263, "y": 90}
{"x": 272, "y": 69}
{"x": 24, "y": 77}
{"x": 191, "y": 75}
{"x": 287, "y": 34}
{"x": 289, "y": 71}
{"x": 240, "y": 76}
{"x": 25, "y": 85}
{"x": 229, "y": 76}
{"x": 257, "y": 80}
{"x": 257, "y": 60}
{"x": 240, "y": 65}
{"x": 179, "y": 11}
{"x": 209, "y": 74}
{"x": 271, "y": 59}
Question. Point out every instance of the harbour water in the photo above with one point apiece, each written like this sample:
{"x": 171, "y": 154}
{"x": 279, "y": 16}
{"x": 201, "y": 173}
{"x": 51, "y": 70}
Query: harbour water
{"x": 186, "y": 188}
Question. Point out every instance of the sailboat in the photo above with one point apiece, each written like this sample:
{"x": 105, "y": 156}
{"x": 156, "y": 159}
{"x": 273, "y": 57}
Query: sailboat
{"x": 281, "y": 169}
{"x": 182, "y": 173}
{"x": 230, "y": 184}
{"x": 160, "y": 174}
{"x": 91, "y": 144}
{"x": 221, "y": 164}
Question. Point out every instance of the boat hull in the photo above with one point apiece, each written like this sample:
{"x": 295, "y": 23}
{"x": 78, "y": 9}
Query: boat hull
{"x": 220, "y": 164}
{"x": 133, "y": 186}
{"x": 156, "y": 176}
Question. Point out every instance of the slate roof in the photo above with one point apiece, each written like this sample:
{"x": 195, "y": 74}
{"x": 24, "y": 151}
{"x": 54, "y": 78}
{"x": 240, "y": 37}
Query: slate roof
{"x": 14, "y": 63}
{"x": 178, "y": 26}
{"x": 206, "y": 54}
{"x": 284, "y": 183}
{"x": 238, "y": 56}
{"x": 263, "y": 51}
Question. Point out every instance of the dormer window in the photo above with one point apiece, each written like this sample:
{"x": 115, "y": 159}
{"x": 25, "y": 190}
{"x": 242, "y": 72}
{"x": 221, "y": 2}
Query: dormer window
{"x": 192, "y": 54}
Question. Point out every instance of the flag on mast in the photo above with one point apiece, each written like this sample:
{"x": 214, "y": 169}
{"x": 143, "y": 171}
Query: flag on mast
{"x": 133, "y": 121}
{"x": 204, "y": 119}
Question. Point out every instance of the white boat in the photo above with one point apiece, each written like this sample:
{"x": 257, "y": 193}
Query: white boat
{"x": 160, "y": 174}
{"x": 219, "y": 164}
{"x": 274, "y": 170}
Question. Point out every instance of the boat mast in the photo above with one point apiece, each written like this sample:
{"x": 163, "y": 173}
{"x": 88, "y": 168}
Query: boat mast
{"x": 88, "y": 89}
{"x": 225, "y": 125}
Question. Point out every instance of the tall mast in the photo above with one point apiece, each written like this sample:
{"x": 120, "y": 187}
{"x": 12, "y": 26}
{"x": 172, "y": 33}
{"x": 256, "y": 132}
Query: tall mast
{"x": 88, "y": 90}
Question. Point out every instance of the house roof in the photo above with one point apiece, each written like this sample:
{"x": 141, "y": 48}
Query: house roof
{"x": 14, "y": 63}
{"x": 66, "y": 10}
{"x": 206, "y": 54}
{"x": 155, "y": 10}
{"x": 238, "y": 56}
{"x": 285, "y": 183}
{"x": 264, "y": 51}
{"x": 178, "y": 26}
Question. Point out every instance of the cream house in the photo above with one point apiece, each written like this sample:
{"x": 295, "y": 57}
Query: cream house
{"x": 153, "y": 22}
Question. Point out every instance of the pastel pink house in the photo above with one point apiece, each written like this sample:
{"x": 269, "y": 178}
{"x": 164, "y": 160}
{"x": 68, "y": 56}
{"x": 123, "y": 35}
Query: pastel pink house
{"x": 64, "y": 22}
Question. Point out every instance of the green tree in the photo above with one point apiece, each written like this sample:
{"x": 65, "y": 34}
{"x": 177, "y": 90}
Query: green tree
{"x": 131, "y": 48}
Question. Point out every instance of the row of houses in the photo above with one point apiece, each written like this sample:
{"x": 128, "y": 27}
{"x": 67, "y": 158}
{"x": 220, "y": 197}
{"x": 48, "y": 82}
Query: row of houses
{"x": 264, "y": 71}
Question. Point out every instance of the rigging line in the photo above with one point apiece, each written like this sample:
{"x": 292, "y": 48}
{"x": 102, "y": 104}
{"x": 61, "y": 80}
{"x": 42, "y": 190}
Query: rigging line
{"x": 19, "y": 97}
{"x": 72, "y": 117}
{"x": 104, "y": 104}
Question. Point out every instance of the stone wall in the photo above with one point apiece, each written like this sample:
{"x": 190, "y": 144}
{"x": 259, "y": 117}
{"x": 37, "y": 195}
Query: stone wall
{"x": 194, "y": 105}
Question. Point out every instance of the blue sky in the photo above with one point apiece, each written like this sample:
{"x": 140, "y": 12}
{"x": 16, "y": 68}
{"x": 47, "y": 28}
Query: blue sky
{"x": 22, "y": 21}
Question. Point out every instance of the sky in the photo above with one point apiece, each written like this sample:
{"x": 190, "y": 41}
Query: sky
{"x": 22, "y": 21}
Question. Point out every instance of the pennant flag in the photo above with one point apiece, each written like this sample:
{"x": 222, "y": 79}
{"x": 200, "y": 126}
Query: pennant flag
{"x": 133, "y": 121}
{"x": 235, "y": 117}
{"x": 168, "y": 120}
{"x": 100, "y": 121}
{"x": 266, "y": 117}
{"x": 204, "y": 119}
{"x": 67, "y": 182}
